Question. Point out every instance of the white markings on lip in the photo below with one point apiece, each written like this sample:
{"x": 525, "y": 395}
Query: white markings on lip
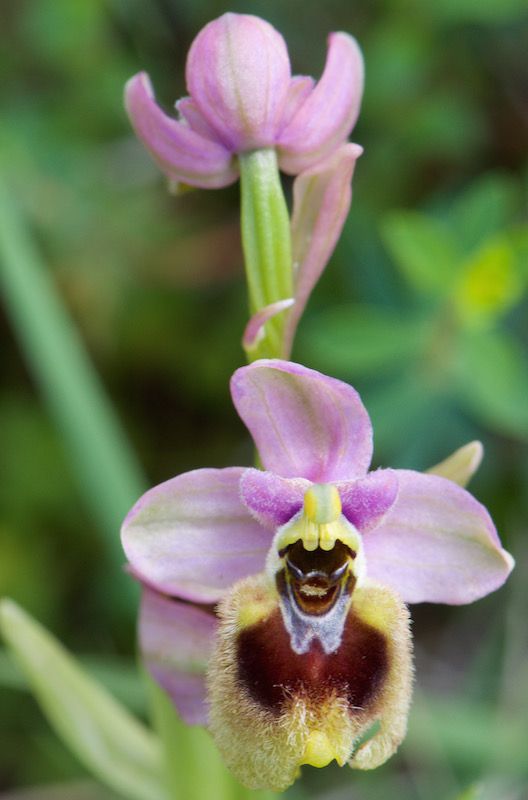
{"x": 313, "y": 591}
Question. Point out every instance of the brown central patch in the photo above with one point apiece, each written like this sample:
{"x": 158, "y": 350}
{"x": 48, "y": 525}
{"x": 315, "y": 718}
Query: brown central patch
{"x": 272, "y": 672}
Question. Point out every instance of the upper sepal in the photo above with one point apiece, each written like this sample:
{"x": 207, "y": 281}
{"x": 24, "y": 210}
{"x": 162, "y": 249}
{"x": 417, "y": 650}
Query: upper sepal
{"x": 238, "y": 74}
{"x": 304, "y": 424}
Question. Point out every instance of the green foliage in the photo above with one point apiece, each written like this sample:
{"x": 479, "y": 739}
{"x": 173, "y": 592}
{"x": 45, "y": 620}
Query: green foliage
{"x": 423, "y": 249}
{"x": 103, "y": 735}
{"x": 360, "y": 340}
{"x": 492, "y": 376}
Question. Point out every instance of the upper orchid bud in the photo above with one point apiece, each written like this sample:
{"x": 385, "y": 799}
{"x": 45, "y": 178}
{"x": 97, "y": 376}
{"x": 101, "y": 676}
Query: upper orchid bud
{"x": 238, "y": 74}
{"x": 242, "y": 98}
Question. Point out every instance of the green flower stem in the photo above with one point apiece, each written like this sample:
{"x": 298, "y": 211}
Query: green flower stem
{"x": 266, "y": 242}
{"x": 107, "y": 470}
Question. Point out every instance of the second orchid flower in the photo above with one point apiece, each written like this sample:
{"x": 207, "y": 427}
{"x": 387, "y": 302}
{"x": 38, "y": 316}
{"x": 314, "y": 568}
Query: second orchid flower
{"x": 242, "y": 98}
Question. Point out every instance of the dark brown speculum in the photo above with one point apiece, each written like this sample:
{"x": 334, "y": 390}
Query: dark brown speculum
{"x": 271, "y": 672}
{"x": 287, "y": 655}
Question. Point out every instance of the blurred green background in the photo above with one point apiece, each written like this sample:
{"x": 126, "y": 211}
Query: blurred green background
{"x": 423, "y": 308}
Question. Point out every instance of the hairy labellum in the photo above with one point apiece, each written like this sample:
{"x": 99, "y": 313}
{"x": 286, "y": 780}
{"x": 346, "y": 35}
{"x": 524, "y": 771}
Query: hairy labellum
{"x": 309, "y": 657}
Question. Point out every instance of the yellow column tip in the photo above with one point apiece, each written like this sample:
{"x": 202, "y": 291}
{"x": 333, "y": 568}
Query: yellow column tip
{"x": 322, "y": 503}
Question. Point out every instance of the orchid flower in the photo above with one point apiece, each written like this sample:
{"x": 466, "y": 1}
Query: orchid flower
{"x": 274, "y": 603}
{"x": 243, "y": 98}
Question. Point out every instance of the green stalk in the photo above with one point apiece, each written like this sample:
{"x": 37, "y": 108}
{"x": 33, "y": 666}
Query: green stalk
{"x": 266, "y": 242}
{"x": 107, "y": 470}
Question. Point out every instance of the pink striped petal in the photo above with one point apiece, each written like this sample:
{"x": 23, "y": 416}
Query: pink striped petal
{"x": 300, "y": 88}
{"x": 190, "y": 114}
{"x": 192, "y": 537}
{"x": 321, "y": 201}
{"x": 176, "y": 640}
{"x": 366, "y": 501}
{"x": 327, "y": 116}
{"x": 238, "y": 74}
{"x": 437, "y": 544}
{"x": 304, "y": 424}
{"x": 272, "y": 500}
{"x": 180, "y": 152}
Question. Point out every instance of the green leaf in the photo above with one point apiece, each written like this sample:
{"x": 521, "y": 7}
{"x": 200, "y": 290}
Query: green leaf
{"x": 492, "y": 374}
{"x": 361, "y": 340}
{"x": 490, "y": 282}
{"x": 120, "y": 678}
{"x": 491, "y": 12}
{"x": 104, "y": 463}
{"x": 469, "y": 734}
{"x": 110, "y": 742}
{"x": 423, "y": 249}
{"x": 486, "y": 208}
{"x": 84, "y": 790}
{"x": 473, "y": 792}
{"x": 187, "y": 749}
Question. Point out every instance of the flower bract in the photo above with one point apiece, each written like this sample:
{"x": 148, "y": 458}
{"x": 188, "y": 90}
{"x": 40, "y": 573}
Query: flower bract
{"x": 243, "y": 97}
{"x": 274, "y": 603}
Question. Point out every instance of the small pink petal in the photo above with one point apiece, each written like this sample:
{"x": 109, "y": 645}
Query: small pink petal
{"x": 304, "y": 424}
{"x": 189, "y": 113}
{"x": 192, "y": 537}
{"x": 327, "y": 116}
{"x": 437, "y": 544}
{"x": 238, "y": 74}
{"x": 176, "y": 641}
{"x": 180, "y": 152}
{"x": 300, "y": 88}
{"x": 366, "y": 501}
{"x": 321, "y": 201}
{"x": 272, "y": 500}
{"x": 254, "y": 331}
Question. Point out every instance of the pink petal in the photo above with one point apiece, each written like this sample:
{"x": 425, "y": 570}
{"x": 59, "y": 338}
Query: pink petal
{"x": 327, "y": 116}
{"x": 300, "y": 88}
{"x": 180, "y": 152}
{"x": 192, "y": 537}
{"x": 176, "y": 640}
{"x": 437, "y": 544}
{"x": 272, "y": 500}
{"x": 304, "y": 424}
{"x": 188, "y": 111}
{"x": 238, "y": 74}
{"x": 366, "y": 501}
{"x": 321, "y": 201}
{"x": 254, "y": 331}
